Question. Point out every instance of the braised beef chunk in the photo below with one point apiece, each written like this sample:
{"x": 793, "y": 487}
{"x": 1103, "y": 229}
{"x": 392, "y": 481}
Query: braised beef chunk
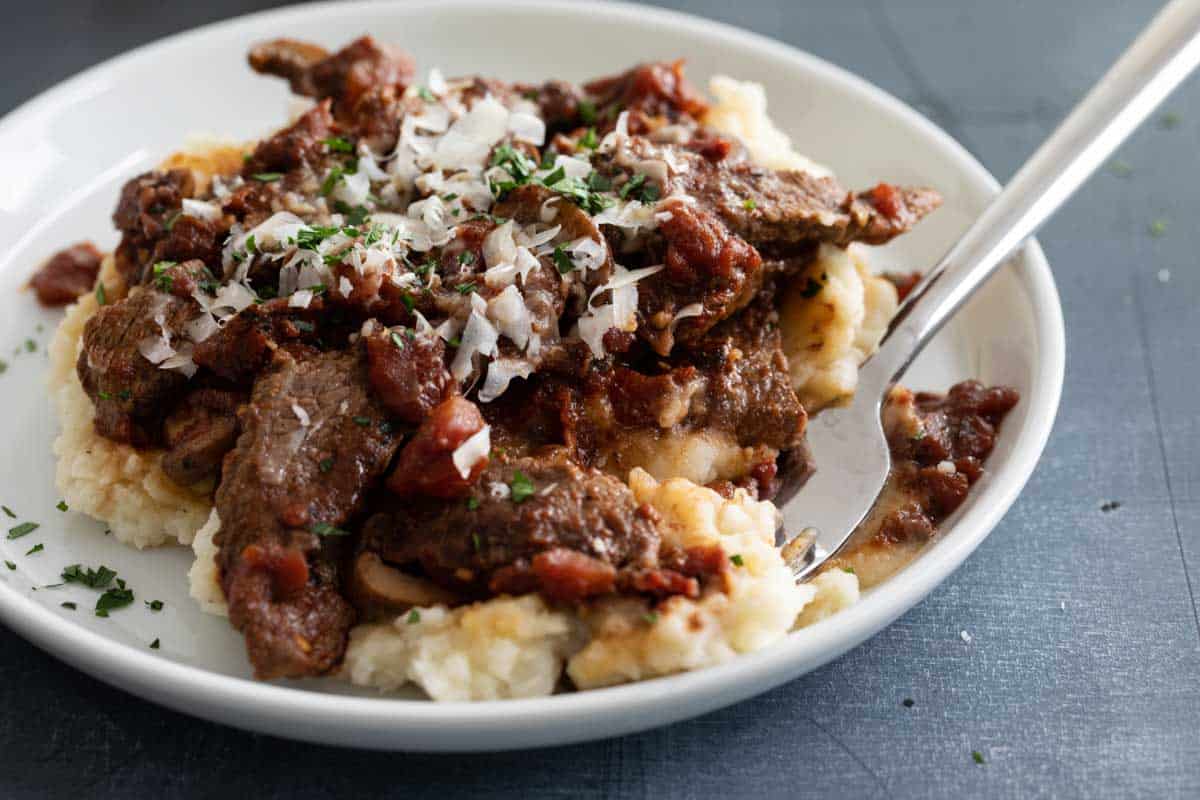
{"x": 67, "y": 275}
{"x": 652, "y": 90}
{"x": 709, "y": 274}
{"x": 313, "y": 442}
{"x": 344, "y": 75}
{"x": 247, "y": 343}
{"x": 518, "y": 510}
{"x": 300, "y": 144}
{"x": 408, "y": 372}
{"x": 149, "y": 205}
{"x": 198, "y": 433}
{"x": 130, "y": 393}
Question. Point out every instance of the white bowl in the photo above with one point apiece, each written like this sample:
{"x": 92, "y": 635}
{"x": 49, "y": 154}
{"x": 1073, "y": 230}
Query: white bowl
{"x": 65, "y": 154}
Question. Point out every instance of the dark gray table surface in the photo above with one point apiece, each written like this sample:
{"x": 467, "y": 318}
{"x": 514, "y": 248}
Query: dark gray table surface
{"x": 1083, "y": 677}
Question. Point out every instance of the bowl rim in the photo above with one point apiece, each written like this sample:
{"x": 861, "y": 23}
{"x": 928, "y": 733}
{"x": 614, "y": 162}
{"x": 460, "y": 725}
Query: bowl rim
{"x": 381, "y": 721}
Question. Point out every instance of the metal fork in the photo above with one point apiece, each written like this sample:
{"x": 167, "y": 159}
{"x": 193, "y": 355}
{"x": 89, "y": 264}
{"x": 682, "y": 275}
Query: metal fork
{"x": 847, "y": 443}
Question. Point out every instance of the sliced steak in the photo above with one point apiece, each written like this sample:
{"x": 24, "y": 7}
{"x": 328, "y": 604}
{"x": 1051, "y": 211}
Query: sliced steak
{"x": 313, "y": 442}
{"x": 655, "y": 90}
{"x": 519, "y": 511}
{"x": 67, "y": 275}
{"x": 408, "y": 372}
{"x": 776, "y": 210}
{"x": 343, "y": 76}
{"x": 198, "y": 433}
{"x": 148, "y": 206}
{"x": 247, "y": 343}
{"x": 130, "y": 393}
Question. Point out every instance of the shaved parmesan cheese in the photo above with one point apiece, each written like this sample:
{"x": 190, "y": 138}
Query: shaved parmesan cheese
{"x": 478, "y": 337}
{"x": 500, "y": 373}
{"x": 180, "y": 362}
{"x": 353, "y": 188}
{"x": 475, "y": 449}
{"x": 499, "y": 246}
{"x": 301, "y": 415}
{"x": 156, "y": 349}
{"x": 436, "y": 83}
{"x": 344, "y": 286}
{"x": 527, "y": 128}
{"x": 201, "y": 209}
{"x": 300, "y": 299}
{"x": 201, "y": 327}
{"x": 511, "y": 315}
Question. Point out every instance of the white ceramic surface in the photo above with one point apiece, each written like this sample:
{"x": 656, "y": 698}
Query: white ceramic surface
{"x": 65, "y": 154}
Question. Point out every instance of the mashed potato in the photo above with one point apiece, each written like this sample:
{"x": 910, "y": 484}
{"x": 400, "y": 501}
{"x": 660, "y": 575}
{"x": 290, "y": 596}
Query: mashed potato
{"x": 831, "y": 318}
{"x": 740, "y": 110}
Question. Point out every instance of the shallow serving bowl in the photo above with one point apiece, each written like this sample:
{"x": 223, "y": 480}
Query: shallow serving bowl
{"x": 65, "y": 154}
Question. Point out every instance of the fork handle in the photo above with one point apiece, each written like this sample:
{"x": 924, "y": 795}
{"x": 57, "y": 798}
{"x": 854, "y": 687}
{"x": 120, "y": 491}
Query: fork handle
{"x": 1158, "y": 60}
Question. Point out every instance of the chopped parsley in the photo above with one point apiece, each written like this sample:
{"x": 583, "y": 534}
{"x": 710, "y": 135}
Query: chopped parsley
{"x": 561, "y": 260}
{"x": 8, "y": 511}
{"x": 589, "y": 140}
{"x": 338, "y": 144}
{"x": 977, "y": 757}
{"x": 409, "y": 303}
{"x": 632, "y": 185}
{"x": 465, "y": 288}
{"x": 325, "y": 465}
{"x": 1120, "y": 168}
{"x": 749, "y": 204}
{"x": 171, "y": 219}
{"x": 476, "y": 542}
{"x": 3, "y": 366}
{"x": 426, "y": 95}
{"x": 466, "y": 258}
{"x": 30, "y": 345}
{"x": 154, "y": 645}
{"x": 413, "y": 617}
{"x": 450, "y": 197}
{"x": 1158, "y": 227}
{"x": 355, "y": 215}
{"x": 154, "y": 605}
{"x": 10, "y": 565}
{"x": 101, "y": 295}
{"x": 472, "y": 503}
{"x": 113, "y": 598}
{"x": 521, "y": 487}
{"x": 37, "y": 548}
{"x": 335, "y": 176}
{"x": 69, "y": 605}
{"x": 587, "y": 112}
{"x": 325, "y": 529}
{"x": 93, "y": 578}
{"x": 581, "y": 193}
{"x": 908, "y": 702}
{"x": 737, "y": 560}
{"x": 24, "y": 529}
{"x": 1170, "y": 120}
{"x": 397, "y": 340}
{"x": 362, "y": 422}
{"x": 651, "y": 617}
{"x": 309, "y": 237}
{"x": 267, "y": 177}
{"x": 849, "y": 570}
{"x": 61, "y": 505}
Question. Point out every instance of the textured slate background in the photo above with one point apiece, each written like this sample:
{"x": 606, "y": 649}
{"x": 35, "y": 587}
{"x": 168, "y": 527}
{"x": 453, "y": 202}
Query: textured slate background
{"x": 1082, "y": 678}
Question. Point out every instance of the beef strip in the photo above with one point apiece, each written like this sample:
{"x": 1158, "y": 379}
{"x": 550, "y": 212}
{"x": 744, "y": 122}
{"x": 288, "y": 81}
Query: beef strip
{"x": 775, "y": 210}
{"x": 408, "y": 372}
{"x": 285, "y": 489}
{"x": 198, "y": 433}
{"x": 655, "y": 90}
{"x": 129, "y": 393}
{"x": 148, "y": 205}
{"x": 67, "y": 275}
{"x": 519, "y": 510}
{"x": 343, "y": 76}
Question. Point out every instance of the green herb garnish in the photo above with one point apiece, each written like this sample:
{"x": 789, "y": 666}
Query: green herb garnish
{"x": 68, "y": 604}
{"x": 413, "y": 617}
{"x": 93, "y": 578}
{"x": 325, "y": 529}
{"x": 267, "y": 177}
{"x": 337, "y": 144}
{"x": 114, "y": 598}
{"x": 154, "y": 645}
{"x": 24, "y": 529}
{"x": 521, "y": 487}
{"x": 101, "y": 295}
{"x": 61, "y": 505}
{"x": 154, "y": 605}
{"x": 561, "y": 260}
{"x": 737, "y": 560}
{"x": 37, "y": 548}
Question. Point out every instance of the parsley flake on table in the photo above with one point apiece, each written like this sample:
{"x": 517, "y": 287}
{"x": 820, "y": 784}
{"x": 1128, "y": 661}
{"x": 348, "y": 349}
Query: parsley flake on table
{"x": 69, "y": 605}
{"x": 61, "y": 505}
{"x": 10, "y": 565}
{"x": 8, "y": 511}
{"x": 154, "y": 605}
{"x": 37, "y": 548}
{"x": 1158, "y": 228}
{"x": 977, "y": 757}
{"x": 154, "y": 645}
